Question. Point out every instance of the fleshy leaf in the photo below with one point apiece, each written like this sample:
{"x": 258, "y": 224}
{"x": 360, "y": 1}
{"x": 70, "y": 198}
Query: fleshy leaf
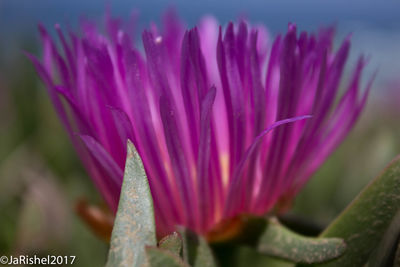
{"x": 172, "y": 242}
{"x": 386, "y": 250}
{"x": 363, "y": 223}
{"x": 281, "y": 242}
{"x": 190, "y": 242}
{"x": 396, "y": 262}
{"x": 163, "y": 258}
{"x": 246, "y": 256}
{"x": 196, "y": 251}
{"x": 134, "y": 226}
{"x": 204, "y": 257}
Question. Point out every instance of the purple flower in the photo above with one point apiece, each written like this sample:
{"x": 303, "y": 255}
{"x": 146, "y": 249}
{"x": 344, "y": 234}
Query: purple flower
{"x": 198, "y": 105}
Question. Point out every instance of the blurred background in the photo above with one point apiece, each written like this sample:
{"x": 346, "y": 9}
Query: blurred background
{"x": 41, "y": 177}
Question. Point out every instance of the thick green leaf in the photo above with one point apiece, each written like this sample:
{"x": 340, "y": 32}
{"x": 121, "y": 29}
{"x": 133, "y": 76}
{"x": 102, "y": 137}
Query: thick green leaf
{"x": 281, "y": 242}
{"x": 163, "y": 258}
{"x": 204, "y": 257}
{"x": 172, "y": 242}
{"x": 134, "y": 226}
{"x": 385, "y": 252}
{"x": 247, "y": 256}
{"x": 396, "y": 262}
{"x": 363, "y": 223}
{"x": 190, "y": 243}
{"x": 196, "y": 251}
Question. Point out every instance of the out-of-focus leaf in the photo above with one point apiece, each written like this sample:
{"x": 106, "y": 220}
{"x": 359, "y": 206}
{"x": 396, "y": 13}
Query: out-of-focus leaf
{"x": 163, "y": 258}
{"x": 190, "y": 243}
{"x": 204, "y": 257}
{"x": 41, "y": 224}
{"x": 172, "y": 242}
{"x": 247, "y": 256}
{"x": 396, "y": 262}
{"x": 385, "y": 252}
{"x": 363, "y": 223}
{"x": 196, "y": 251}
{"x": 134, "y": 226}
{"x": 281, "y": 242}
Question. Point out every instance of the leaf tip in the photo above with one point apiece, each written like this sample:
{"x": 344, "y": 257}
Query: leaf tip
{"x": 131, "y": 150}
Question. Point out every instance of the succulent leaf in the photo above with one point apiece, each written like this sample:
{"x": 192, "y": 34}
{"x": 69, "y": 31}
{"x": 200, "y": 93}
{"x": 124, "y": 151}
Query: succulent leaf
{"x": 163, "y": 258}
{"x": 172, "y": 242}
{"x": 364, "y": 222}
{"x": 281, "y": 242}
{"x": 204, "y": 257}
{"x": 134, "y": 226}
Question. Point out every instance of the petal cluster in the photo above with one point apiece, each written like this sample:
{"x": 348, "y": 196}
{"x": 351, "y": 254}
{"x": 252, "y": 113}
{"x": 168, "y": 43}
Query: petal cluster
{"x": 219, "y": 116}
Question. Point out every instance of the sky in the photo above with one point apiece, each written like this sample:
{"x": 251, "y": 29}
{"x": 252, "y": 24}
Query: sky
{"x": 375, "y": 25}
{"x": 275, "y": 13}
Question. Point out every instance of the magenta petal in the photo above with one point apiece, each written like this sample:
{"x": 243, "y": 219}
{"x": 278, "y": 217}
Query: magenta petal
{"x": 237, "y": 182}
{"x": 104, "y": 159}
{"x": 204, "y": 180}
{"x": 180, "y": 165}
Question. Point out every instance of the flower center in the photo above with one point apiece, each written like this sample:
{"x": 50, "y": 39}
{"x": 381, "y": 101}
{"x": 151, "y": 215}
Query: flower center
{"x": 225, "y": 230}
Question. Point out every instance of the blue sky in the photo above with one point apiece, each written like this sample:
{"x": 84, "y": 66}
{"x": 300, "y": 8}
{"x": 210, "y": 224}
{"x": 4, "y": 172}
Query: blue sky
{"x": 306, "y": 13}
{"x": 375, "y": 24}
{"x": 275, "y": 13}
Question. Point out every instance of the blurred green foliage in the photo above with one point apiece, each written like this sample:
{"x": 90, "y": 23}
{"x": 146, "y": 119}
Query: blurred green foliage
{"x": 372, "y": 144}
{"x": 35, "y": 150}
